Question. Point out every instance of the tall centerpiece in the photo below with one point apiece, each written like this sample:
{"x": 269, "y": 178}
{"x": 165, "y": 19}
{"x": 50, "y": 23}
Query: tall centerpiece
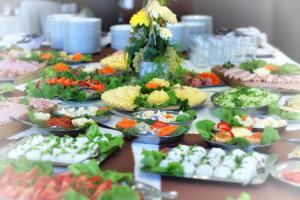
{"x": 150, "y": 50}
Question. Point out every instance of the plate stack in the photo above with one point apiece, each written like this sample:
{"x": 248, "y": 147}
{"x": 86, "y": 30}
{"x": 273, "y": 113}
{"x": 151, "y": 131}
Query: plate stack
{"x": 82, "y": 35}
{"x": 204, "y": 19}
{"x": 180, "y": 33}
{"x": 55, "y": 27}
{"x": 120, "y": 35}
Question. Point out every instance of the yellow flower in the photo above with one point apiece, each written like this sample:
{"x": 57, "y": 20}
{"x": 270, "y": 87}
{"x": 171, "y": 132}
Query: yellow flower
{"x": 165, "y": 33}
{"x": 141, "y": 18}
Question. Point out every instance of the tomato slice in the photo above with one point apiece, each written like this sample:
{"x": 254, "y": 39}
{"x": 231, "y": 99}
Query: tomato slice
{"x": 224, "y": 126}
{"x": 105, "y": 186}
{"x": 159, "y": 124}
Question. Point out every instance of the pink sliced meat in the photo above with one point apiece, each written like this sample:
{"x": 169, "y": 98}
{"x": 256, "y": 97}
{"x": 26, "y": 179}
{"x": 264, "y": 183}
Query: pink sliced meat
{"x": 8, "y": 109}
{"x": 11, "y": 67}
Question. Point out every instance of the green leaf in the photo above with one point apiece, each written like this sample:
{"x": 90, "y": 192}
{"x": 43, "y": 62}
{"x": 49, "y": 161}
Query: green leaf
{"x": 253, "y": 65}
{"x": 71, "y": 194}
{"x": 270, "y": 135}
{"x": 119, "y": 193}
{"x": 227, "y": 115}
{"x": 175, "y": 169}
{"x": 90, "y": 169}
{"x": 240, "y": 142}
{"x": 24, "y": 165}
{"x": 116, "y": 176}
{"x": 205, "y": 127}
{"x": 151, "y": 159}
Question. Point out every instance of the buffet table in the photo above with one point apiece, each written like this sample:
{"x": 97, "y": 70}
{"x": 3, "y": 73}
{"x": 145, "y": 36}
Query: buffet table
{"x": 124, "y": 160}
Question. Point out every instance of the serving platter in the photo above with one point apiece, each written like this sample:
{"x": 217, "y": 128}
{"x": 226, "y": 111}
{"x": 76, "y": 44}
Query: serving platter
{"x": 262, "y": 174}
{"x": 219, "y": 71}
{"x": 53, "y": 130}
{"x": 252, "y": 111}
{"x": 280, "y": 168}
{"x": 96, "y": 156}
{"x": 231, "y": 147}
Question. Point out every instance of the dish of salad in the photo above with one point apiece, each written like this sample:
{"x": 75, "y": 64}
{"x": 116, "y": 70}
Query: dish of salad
{"x": 245, "y": 97}
{"x": 100, "y": 114}
{"x": 166, "y": 116}
{"x": 235, "y": 130}
{"x": 151, "y": 132}
{"x": 86, "y": 181}
{"x": 195, "y": 162}
{"x": 63, "y": 151}
{"x": 78, "y": 84}
{"x": 289, "y": 111}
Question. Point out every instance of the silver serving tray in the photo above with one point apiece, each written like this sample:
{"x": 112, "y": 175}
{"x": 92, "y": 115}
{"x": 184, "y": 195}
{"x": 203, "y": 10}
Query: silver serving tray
{"x": 252, "y": 111}
{"x": 54, "y": 130}
{"x": 231, "y": 147}
{"x": 5, "y": 151}
{"x": 186, "y": 124}
{"x": 281, "y": 167}
{"x": 259, "y": 179}
{"x": 149, "y": 139}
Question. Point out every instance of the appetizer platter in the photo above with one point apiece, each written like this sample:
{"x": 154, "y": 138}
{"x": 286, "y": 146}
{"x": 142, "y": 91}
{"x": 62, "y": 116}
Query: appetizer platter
{"x": 53, "y": 57}
{"x": 169, "y": 117}
{"x": 151, "y": 132}
{"x": 253, "y": 100}
{"x": 63, "y": 151}
{"x": 57, "y": 124}
{"x": 259, "y": 73}
{"x": 289, "y": 111}
{"x": 155, "y": 94}
{"x": 236, "y": 130}
{"x": 19, "y": 71}
{"x": 288, "y": 172}
{"x": 101, "y": 114}
{"x": 18, "y": 107}
{"x": 195, "y": 162}
{"x": 202, "y": 80}
{"x": 81, "y": 181}
{"x": 78, "y": 84}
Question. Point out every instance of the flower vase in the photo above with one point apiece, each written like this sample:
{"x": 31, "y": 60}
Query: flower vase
{"x": 148, "y": 67}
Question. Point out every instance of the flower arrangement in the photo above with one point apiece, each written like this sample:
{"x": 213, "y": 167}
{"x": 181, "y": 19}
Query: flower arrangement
{"x": 150, "y": 41}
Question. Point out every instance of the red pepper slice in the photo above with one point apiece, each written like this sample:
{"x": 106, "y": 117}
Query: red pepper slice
{"x": 224, "y": 126}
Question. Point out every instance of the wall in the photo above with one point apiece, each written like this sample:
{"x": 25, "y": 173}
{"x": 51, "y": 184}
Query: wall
{"x": 286, "y": 27}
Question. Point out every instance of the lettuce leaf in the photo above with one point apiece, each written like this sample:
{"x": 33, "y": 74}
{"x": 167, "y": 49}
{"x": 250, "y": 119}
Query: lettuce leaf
{"x": 175, "y": 169}
{"x": 92, "y": 169}
{"x": 205, "y": 127}
{"x": 105, "y": 147}
{"x": 119, "y": 193}
{"x": 227, "y": 115}
{"x": 240, "y": 142}
{"x": 270, "y": 135}
{"x": 71, "y": 194}
{"x": 253, "y": 65}
{"x": 152, "y": 159}
{"x": 24, "y": 165}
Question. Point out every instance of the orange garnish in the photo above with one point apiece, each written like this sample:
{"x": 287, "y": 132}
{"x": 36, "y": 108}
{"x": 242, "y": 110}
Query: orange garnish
{"x": 168, "y": 116}
{"x": 46, "y": 56}
{"x": 152, "y": 85}
{"x": 215, "y": 79}
{"x": 272, "y": 68}
{"x": 61, "y": 67}
{"x": 77, "y": 57}
{"x": 104, "y": 108}
{"x": 98, "y": 87}
{"x": 107, "y": 71}
{"x": 126, "y": 123}
{"x": 167, "y": 130}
